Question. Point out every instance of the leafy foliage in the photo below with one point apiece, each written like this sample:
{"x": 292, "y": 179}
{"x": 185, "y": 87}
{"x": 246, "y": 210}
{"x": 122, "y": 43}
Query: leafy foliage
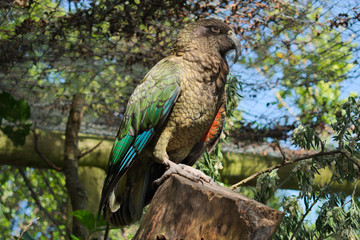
{"x": 18, "y": 207}
{"x": 266, "y": 186}
{"x": 16, "y": 114}
{"x": 89, "y": 220}
{"x": 337, "y": 218}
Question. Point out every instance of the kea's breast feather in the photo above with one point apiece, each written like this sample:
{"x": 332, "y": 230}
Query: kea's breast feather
{"x": 192, "y": 115}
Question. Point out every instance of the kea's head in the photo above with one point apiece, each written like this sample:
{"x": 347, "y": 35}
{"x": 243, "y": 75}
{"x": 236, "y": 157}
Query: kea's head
{"x": 209, "y": 36}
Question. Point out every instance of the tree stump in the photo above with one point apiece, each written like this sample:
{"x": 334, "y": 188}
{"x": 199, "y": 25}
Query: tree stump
{"x": 182, "y": 209}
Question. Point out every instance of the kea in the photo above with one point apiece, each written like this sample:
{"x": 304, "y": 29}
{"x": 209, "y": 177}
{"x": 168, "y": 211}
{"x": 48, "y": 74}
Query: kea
{"x": 175, "y": 114}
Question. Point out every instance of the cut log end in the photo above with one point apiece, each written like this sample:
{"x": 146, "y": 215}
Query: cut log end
{"x": 182, "y": 209}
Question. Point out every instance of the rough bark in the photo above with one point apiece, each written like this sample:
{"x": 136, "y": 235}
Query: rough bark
{"x": 182, "y": 209}
{"x": 74, "y": 186}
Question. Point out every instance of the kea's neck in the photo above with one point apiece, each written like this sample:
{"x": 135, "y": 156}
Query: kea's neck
{"x": 200, "y": 53}
{"x": 210, "y": 65}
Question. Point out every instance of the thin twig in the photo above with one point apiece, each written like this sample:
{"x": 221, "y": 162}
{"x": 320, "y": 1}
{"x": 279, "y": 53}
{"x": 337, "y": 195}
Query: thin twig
{"x": 107, "y": 231}
{"x": 45, "y": 179}
{"x": 351, "y": 159}
{"x": 281, "y": 150}
{"x": 285, "y": 181}
{"x": 27, "y": 226}
{"x": 7, "y": 13}
{"x": 37, "y": 150}
{"x": 354, "y": 191}
{"x": 303, "y": 217}
{"x": 269, "y": 169}
{"x": 281, "y": 100}
{"x": 322, "y": 143}
{"x": 37, "y": 200}
{"x": 341, "y": 136}
{"x": 309, "y": 209}
{"x": 82, "y": 154}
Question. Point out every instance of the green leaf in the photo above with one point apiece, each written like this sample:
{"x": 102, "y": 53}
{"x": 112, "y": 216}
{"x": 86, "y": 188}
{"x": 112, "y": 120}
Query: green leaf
{"x": 73, "y": 237}
{"x": 13, "y": 110}
{"x": 100, "y": 222}
{"x": 17, "y": 134}
{"x": 27, "y": 236}
{"x": 85, "y": 217}
{"x": 16, "y": 112}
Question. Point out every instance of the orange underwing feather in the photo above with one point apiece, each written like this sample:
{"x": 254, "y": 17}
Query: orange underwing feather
{"x": 216, "y": 126}
{"x": 210, "y": 138}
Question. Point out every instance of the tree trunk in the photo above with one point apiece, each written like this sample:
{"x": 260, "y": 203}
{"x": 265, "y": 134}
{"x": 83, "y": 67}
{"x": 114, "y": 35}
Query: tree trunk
{"x": 75, "y": 189}
{"x": 182, "y": 209}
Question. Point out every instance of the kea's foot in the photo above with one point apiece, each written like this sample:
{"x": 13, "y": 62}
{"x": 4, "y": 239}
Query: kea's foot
{"x": 183, "y": 170}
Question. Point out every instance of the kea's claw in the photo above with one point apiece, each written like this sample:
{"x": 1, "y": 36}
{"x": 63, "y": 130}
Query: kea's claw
{"x": 183, "y": 170}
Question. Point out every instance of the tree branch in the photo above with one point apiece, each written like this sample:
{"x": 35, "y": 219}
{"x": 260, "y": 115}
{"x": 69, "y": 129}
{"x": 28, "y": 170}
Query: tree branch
{"x": 37, "y": 150}
{"x": 357, "y": 163}
{"x": 309, "y": 209}
{"x": 269, "y": 169}
{"x": 282, "y": 101}
{"x": 27, "y": 226}
{"x": 82, "y": 154}
{"x": 281, "y": 150}
{"x": 303, "y": 217}
{"x": 341, "y": 136}
{"x": 354, "y": 191}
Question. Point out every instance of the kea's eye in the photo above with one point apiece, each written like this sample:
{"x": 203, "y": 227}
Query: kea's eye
{"x": 215, "y": 29}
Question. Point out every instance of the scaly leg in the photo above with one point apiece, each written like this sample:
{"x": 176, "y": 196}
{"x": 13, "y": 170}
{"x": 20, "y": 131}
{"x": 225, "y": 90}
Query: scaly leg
{"x": 183, "y": 170}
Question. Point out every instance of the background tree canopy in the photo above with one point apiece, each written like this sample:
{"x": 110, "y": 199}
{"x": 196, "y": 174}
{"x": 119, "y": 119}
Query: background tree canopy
{"x": 293, "y": 108}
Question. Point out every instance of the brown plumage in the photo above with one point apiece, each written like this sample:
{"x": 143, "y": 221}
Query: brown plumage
{"x": 173, "y": 116}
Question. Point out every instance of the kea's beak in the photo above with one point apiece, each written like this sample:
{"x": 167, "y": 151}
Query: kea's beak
{"x": 237, "y": 46}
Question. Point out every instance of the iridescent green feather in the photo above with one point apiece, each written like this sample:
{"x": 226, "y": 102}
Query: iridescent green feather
{"x": 159, "y": 85}
{"x": 147, "y": 109}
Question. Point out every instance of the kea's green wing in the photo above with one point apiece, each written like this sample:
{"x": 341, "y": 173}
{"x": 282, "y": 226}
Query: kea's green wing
{"x": 147, "y": 109}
